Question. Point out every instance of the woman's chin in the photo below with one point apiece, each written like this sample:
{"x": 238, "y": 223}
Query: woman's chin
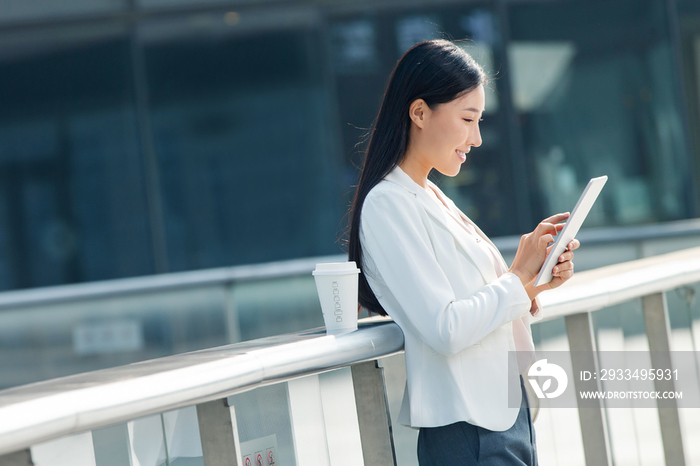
{"x": 451, "y": 171}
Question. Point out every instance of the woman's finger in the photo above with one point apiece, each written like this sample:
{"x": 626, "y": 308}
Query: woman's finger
{"x": 574, "y": 244}
{"x": 564, "y": 276}
{"x": 544, "y": 241}
{"x": 565, "y": 256}
{"x": 545, "y": 227}
{"x": 557, "y": 218}
{"x": 562, "y": 267}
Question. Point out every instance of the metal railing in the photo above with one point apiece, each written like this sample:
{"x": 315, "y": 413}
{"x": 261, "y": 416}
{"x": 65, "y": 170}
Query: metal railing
{"x": 235, "y": 274}
{"x": 165, "y": 282}
{"x": 59, "y": 407}
{"x": 38, "y": 412}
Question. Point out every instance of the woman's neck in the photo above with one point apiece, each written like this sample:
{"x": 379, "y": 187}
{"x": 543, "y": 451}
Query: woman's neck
{"x": 412, "y": 166}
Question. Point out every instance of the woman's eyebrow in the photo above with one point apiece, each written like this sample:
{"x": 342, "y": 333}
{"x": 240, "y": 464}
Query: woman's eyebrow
{"x": 472, "y": 109}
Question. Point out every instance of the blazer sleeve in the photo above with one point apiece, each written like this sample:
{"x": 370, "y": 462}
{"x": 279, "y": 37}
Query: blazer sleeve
{"x": 399, "y": 245}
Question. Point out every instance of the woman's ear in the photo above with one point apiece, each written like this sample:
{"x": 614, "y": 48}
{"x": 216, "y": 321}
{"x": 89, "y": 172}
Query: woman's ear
{"x": 416, "y": 111}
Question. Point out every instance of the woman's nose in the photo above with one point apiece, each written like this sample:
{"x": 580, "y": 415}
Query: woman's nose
{"x": 475, "y": 137}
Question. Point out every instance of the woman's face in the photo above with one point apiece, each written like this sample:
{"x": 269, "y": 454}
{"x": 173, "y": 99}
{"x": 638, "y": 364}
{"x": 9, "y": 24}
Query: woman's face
{"x": 448, "y": 131}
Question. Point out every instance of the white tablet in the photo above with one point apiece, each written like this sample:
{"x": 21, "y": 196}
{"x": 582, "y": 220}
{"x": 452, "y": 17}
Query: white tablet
{"x": 574, "y": 222}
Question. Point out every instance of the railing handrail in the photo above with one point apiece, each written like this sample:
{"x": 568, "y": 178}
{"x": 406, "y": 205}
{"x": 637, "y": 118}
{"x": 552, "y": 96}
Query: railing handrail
{"x": 240, "y": 273}
{"x": 161, "y": 282}
{"x": 34, "y": 413}
{"x": 595, "y": 289}
{"x": 42, "y": 411}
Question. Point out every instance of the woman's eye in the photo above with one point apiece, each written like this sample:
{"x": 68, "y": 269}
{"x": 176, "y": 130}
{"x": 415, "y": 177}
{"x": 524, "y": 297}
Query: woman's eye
{"x": 467, "y": 120}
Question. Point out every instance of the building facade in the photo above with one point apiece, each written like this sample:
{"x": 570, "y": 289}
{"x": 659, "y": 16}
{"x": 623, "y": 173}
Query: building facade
{"x": 150, "y": 136}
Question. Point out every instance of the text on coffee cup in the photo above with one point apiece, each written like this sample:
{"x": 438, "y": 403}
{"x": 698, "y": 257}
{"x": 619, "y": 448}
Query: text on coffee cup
{"x": 336, "y": 298}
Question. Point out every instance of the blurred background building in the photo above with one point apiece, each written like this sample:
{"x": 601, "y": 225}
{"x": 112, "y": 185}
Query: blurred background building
{"x": 170, "y": 170}
{"x": 152, "y": 136}
{"x": 142, "y": 137}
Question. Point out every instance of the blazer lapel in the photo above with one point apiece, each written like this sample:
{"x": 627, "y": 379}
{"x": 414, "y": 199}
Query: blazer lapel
{"x": 478, "y": 230}
{"x": 465, "y": 241}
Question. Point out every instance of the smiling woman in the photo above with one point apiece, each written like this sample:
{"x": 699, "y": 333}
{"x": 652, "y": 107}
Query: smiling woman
{"x": 430, "y": 268}
{"x": 442, "y": 138}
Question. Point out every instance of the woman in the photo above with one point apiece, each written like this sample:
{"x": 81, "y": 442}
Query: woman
{"x": 425, "y": 264}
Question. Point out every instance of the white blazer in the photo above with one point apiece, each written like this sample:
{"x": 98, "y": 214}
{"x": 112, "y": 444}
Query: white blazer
{"x": 441, "y": 288}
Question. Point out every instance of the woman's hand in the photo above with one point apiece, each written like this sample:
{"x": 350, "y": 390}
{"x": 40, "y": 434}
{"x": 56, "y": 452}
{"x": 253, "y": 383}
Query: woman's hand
{"x": 533, "y": 250}
{"x": 564, "y": 268}
{"x": 561, "y": 272}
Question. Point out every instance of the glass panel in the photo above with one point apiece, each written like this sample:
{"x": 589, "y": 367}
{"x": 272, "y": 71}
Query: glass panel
{"x": 147, "y": 441}
{"x": 594, "y": 88}
{"x": 405, "y": 438}
{"x": 635, "y": 432}
{"x": 48, "y": 341}
{"x": 242, "y": 132}
{"x": 558, "y": 430}
{"x": 63, "y": 339}
{"x": 182, "y": 437}
{"x": 264, "y": 424}
{"x": 684, "y": 317}
{"x": 74, "y": 450}
{"x": 112, "y": 445}
{"x": 72, "y": 205}
{"x": 273, "y": 307}
{"x": 688, "y": 7}
{"x": 690, "y": 60}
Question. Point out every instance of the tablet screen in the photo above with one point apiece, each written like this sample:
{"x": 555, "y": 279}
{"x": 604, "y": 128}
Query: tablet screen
{"x": 578, "y": 215}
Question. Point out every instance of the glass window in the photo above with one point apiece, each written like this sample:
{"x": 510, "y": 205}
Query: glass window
{"x": 689, "y": 12}
{"x": 688, "y": 7}
{"x": 72, "y": 205}
{"x": 245, "y": 147}
{"x": 593, "y": 85}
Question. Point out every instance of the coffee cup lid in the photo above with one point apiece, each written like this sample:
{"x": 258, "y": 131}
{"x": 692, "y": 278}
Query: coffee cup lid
{"x": 336, "y": 268}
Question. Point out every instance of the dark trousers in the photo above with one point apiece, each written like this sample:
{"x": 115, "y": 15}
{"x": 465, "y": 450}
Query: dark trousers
{"x": 466, "y": 444}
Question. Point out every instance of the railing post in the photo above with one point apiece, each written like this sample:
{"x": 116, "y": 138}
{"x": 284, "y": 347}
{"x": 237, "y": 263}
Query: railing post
{"x": 373, "y": 414}
{"x": 17, "y": 458}
{"x": 218, "y": 432}
{"x": 591, "y": 412}
{"x": 658, "y": 334}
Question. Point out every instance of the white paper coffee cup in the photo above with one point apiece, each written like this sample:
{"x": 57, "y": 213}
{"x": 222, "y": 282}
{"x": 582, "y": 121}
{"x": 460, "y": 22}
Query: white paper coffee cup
{"x": 336, "y": 283}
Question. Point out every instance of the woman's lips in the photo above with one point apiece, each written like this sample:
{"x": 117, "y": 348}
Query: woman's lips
{"x": 462, "y": 155}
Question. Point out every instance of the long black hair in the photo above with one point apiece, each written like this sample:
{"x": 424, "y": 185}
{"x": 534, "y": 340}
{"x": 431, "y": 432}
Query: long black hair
{"x": 436, "y": 71}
